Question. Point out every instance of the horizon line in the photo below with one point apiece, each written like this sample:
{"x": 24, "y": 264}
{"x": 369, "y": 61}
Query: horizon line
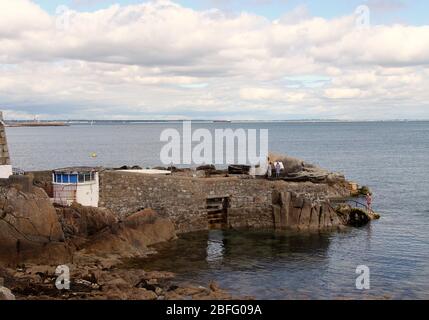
{"x": 218, "y": 120}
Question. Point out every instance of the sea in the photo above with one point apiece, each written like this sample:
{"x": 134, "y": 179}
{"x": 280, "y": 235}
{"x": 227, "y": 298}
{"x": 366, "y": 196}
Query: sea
{"x": 392, "y": 158}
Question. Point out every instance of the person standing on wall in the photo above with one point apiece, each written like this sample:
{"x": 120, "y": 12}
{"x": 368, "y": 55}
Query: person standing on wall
{"x": 270, "y": 170}
{"x": 369, "y": 201}
{"x": 278, "y": 168}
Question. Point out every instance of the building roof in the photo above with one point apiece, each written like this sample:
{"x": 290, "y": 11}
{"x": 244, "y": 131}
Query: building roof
{"x": 77, "y": 170}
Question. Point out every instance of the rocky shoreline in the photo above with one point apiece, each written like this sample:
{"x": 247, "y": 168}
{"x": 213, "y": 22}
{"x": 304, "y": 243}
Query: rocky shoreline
{"x": 36, "y": 236}
{"x": 101, "y": 281}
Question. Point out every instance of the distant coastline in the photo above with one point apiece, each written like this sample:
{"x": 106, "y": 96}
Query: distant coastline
{"x": 64, "y": 123}
{"x": 36, "y": 124}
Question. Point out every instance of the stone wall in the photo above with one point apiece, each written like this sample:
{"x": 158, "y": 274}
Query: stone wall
{"x": 184, "y": 199}
{"x": 43, "y": 179}
{"x": 249, "y": 200}
{"x": 4, "y": 150}
{"x": 177, "y": 198}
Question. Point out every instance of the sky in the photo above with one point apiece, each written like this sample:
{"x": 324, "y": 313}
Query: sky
{"x": 387, "y": 11}
{"x": 214, "y": 59}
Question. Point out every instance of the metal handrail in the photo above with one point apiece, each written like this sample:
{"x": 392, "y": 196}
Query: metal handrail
{"x": 358, "y": 203}
{"x": 18, "y": 171}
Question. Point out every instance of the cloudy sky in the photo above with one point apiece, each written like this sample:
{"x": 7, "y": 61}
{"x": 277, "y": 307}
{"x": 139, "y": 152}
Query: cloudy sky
{"x": 214, "y": 59}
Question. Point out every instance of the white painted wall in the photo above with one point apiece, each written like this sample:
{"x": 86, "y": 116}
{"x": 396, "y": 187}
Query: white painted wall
{"x": 5, "y": 171}
{"x": 87, "y": 194}
{"x": 64, "y": 194}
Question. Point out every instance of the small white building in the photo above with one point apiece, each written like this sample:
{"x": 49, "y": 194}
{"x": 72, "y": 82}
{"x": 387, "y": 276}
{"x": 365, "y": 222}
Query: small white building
{"x": 5, "y": 171}
{"x": 79, "y": 184}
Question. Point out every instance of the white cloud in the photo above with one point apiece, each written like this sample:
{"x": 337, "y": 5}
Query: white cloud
{"x": 21, "y": 16}
{"x": 264, "y": 94}
{"x": 159, "y": 59}
{"x": 343, "y": 93}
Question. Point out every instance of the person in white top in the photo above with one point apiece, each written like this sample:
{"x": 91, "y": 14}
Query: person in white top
{"x": 270, "y": 170}
{"x": 278, "y": 168}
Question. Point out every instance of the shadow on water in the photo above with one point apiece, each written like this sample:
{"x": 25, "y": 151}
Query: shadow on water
{"x": 225, "y": 248}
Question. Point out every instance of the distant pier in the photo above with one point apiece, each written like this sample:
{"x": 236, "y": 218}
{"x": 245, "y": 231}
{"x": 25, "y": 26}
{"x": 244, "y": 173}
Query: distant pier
{"x": 36, "y": 124}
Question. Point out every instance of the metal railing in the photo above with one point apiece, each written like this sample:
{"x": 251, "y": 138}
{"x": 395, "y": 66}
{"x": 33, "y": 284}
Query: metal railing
{"x": 358, "y": 204}
{"x": 353, "y": 203}
{"x": 18, "y": 172}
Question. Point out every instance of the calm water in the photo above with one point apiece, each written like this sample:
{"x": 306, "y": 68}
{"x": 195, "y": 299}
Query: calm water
{"x": 392, "y": 158}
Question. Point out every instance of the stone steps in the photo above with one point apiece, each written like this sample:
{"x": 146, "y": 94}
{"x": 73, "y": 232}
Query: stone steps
{"x": 217, "y": 212}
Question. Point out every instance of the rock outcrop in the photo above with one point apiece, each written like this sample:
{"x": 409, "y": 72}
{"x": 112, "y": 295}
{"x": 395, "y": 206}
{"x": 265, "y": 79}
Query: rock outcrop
{"x": 355, "y": 217}
{"x": 29, "y": 227}
{"x": 80, "y": 222}
{"x": 32, "y": 230}
{"x": 132, "y": 236}
{"x": 298, "y": 170}
{"x": 290, "y": 210}
{"x": 100, "y": 233}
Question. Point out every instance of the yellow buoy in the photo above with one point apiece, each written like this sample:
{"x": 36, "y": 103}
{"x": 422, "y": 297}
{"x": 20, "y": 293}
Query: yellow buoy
{"x": 93, "y": 155}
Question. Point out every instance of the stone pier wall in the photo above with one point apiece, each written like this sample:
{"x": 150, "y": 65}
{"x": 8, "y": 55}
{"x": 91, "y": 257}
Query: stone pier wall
{"x": 184, "y": 199}
{"x": 4, "y": 149}
{"x": 177, "y": 198}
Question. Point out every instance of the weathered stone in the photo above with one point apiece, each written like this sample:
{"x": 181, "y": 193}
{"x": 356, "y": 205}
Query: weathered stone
{"x": 82, "y": 221}
{"x": 183, "y": 199}
{"x": 353, "y": 216}
{"x": 29, "y": 228}
{"x": 299, "y": 171}
{"x": 214, "y": 286}
{"x": 314, "y": 216}
{"x": 277, "y": 215}
{"x": 6, "y": 294}
{"x": 118, "y": 283}
{"x": 305, "y": 214}
{"x": 139, "y": 218}
{"x": 132, "y": 237}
